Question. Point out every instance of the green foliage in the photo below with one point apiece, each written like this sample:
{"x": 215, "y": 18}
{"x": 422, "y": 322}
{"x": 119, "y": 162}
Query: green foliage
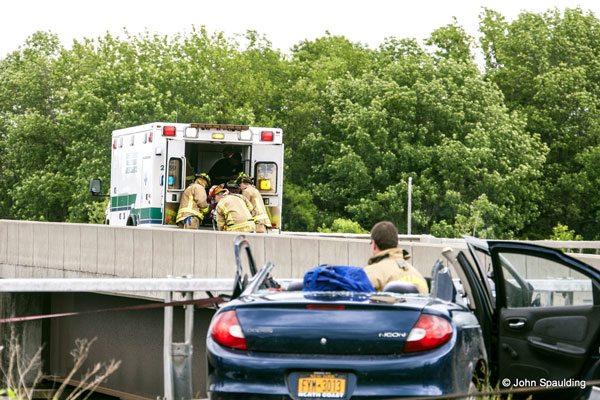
{"x": 561, "y": 232}
{"x": 508, "y": 152}
{"x": 299, "y": 213}
{"x": 58, "y": 107}
{"x": 546, "y": 66}
{"x": 341, "y": 225}
{"x": 452, "y": 42}
{"x": 8, "y": 393}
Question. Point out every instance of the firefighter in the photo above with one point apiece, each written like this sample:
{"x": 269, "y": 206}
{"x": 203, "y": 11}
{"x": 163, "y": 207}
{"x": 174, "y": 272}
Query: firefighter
{"x": 389, "y": 263}
{"x": 234, "y": 212}
{"x": 193, "y": 203}
{"x": 261, "y": 218}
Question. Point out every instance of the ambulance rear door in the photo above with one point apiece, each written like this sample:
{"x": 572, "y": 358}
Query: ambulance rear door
{"x": 267, "y": 171}
{"x": 174, "y": 179}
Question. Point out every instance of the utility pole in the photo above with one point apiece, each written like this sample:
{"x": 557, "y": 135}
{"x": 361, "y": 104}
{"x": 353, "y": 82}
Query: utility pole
{"x": 409, "y": 204}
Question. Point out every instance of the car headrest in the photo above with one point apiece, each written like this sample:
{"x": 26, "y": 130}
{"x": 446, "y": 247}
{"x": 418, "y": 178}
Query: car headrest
{"x": 400, "y": 287}
{"x": 295, "y": 286}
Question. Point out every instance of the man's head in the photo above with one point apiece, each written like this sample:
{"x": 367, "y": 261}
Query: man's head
{"x": 217, "y": 192}
{"x": 227, "y": 151}
{"x": 235, "y": 159}
{"x": 384, "y": 235}
{"x": 243, "y": 181}
{"x": 203, "y": 179}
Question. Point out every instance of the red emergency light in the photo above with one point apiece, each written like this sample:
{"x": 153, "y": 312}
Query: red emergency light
{"x": 169, "y": 131}
{"x": 266, "y": 136}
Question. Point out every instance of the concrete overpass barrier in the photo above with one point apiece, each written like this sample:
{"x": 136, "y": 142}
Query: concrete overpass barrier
{"x": 62, "y": 250}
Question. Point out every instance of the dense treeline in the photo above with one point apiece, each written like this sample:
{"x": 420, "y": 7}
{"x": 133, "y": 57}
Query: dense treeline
{"x": 507, "y": 150}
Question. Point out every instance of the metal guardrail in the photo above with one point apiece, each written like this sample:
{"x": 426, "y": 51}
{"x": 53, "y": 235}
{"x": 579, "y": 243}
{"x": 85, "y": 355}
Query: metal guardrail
{"x": 115, "y": 285}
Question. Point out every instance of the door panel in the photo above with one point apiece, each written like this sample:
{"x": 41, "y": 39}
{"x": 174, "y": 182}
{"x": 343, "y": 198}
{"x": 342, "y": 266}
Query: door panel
{"x": 547, "y": 312}
{"x": 546, "y": 342}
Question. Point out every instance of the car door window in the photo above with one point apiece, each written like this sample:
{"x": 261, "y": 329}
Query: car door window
{"x": 535, "y": 281}
{"x": 487, "y": 273}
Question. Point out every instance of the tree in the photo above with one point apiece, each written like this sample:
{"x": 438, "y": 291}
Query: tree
{"x": 546, "y": 66}
{"x": 437, "y": 120}
{"x": 452, "y": 42}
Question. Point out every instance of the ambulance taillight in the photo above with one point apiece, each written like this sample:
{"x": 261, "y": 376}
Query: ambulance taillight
{"x": 168, "y": 131}
{"x": 266, "y": 136}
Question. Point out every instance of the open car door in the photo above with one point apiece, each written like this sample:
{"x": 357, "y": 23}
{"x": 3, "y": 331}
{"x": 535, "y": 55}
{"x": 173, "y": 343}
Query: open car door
{"x": 545, "y": 313}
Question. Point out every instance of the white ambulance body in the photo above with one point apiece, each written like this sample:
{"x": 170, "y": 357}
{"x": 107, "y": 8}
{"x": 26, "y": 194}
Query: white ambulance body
{"x": 150, "y": 164}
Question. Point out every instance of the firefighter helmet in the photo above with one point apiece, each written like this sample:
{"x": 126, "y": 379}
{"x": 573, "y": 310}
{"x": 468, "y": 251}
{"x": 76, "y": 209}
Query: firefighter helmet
{"x": 203, "y": 176}
{"x": 215, "y": 190}
{"x": 243, "y": 178}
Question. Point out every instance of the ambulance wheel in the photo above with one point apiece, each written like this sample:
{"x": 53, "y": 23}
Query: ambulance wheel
{"x": 132, "y": 220}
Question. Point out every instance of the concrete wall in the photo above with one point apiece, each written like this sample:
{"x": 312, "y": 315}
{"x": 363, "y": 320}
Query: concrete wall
{"x": 34, "y": 249}
{"x": 37, "y": 249}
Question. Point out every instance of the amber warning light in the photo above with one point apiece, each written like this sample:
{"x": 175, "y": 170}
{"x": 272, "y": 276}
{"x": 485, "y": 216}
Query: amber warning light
{"x": 265, "y": 184}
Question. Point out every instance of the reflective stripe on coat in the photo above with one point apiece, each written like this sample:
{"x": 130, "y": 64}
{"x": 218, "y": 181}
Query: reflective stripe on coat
{"x": 193, "y": 202}
{"x": 234, "y": 213}
{"x": 261, "y": 218}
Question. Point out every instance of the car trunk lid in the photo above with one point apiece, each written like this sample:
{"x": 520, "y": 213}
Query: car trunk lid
{"x": 315, "y": 328}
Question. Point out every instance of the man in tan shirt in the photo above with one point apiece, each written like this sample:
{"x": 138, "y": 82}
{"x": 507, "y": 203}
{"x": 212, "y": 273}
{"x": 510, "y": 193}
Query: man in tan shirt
{"x": 388, "y": 262}
{"x": 261, "y": 219}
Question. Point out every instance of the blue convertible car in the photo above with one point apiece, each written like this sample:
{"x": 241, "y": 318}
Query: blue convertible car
{"x": 516, "y": 315}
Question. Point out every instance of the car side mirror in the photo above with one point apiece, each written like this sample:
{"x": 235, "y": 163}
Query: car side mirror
{"x": 95, "y": 187}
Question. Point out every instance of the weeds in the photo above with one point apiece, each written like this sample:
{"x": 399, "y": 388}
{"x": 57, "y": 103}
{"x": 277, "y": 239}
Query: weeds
{"x": 17, "y": 374}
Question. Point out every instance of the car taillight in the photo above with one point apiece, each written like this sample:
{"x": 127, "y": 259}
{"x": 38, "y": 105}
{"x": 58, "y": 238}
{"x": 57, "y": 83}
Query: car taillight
{"x": 226, "y": 330}
{"x": 429, "y": 332}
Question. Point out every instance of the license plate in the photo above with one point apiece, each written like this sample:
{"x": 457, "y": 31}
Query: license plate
{"x": 322, "y": 385}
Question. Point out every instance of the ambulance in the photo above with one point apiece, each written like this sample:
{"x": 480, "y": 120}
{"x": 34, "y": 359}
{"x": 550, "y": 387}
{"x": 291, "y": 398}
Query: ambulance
{"x": 152, "y": 164}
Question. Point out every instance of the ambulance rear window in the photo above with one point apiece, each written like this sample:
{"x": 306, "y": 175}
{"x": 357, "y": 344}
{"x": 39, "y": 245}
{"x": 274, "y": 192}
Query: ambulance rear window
{"x": 174, "y": 180}
{"x": 266, "y": 177}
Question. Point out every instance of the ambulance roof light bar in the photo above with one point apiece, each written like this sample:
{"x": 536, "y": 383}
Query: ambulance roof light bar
{"x": 221, "y": 127}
